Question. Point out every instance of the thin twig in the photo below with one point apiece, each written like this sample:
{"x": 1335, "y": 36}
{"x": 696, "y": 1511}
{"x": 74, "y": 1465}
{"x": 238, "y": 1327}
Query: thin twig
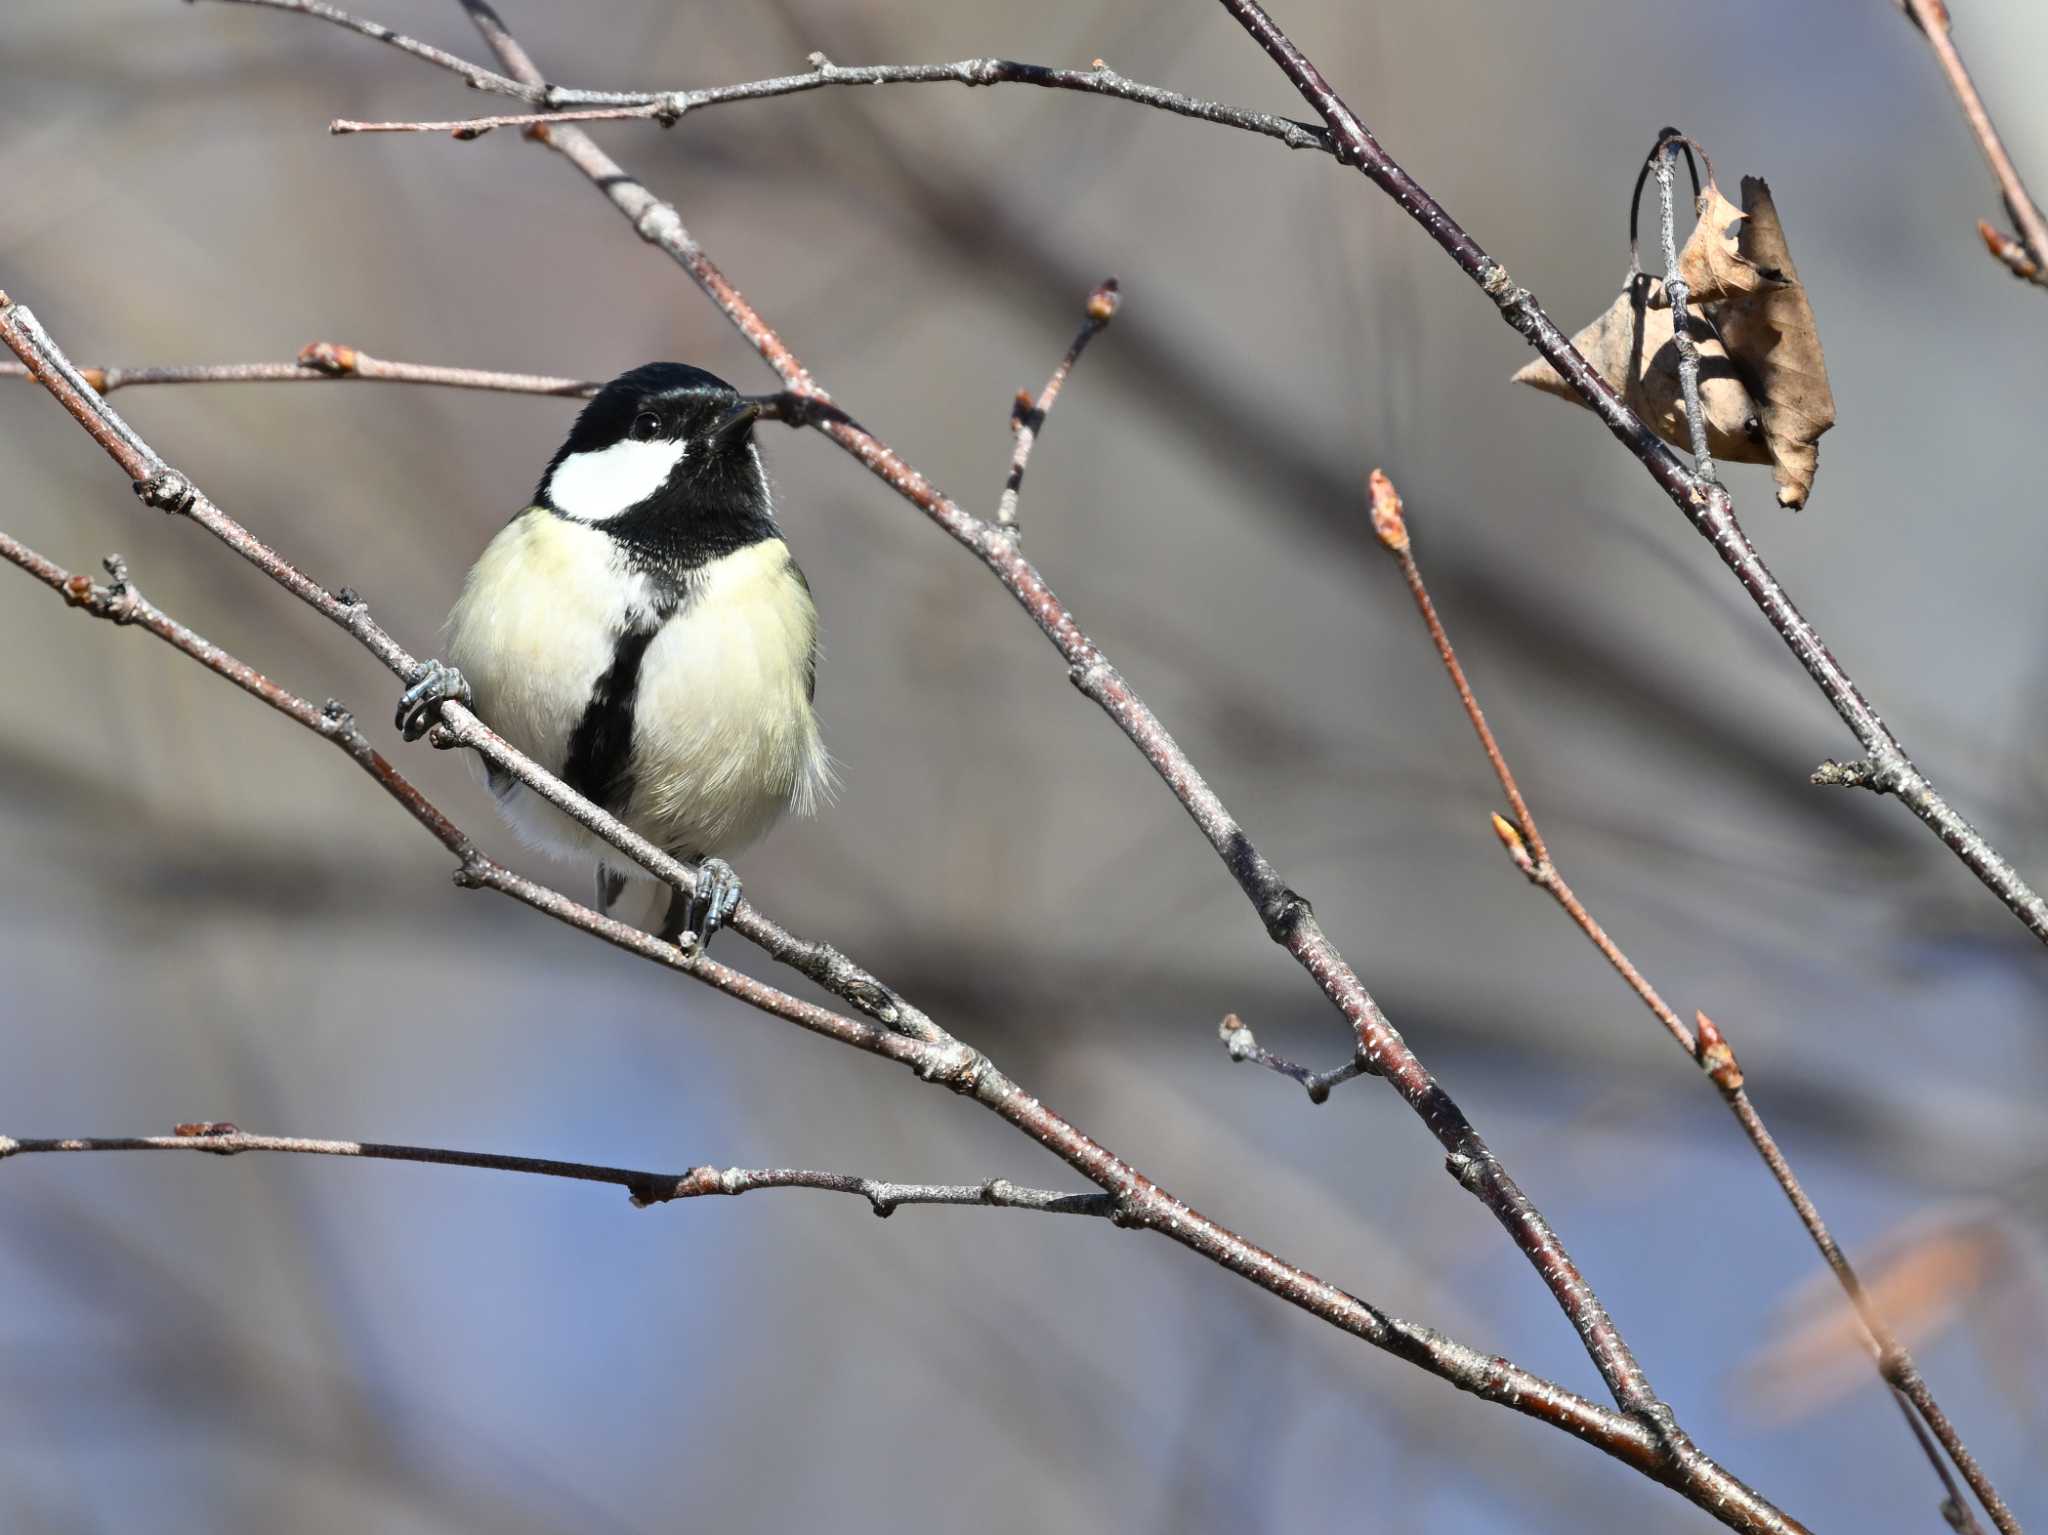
{"x": 928, "y": 1051}
{"x": 2028, "y": 256}
{"x": 665, "y": 107}
{"x": 646, "y": 1188}
{"x": 1027, "y": 417}
{"x": 323, "y": 362}
{"x": 1243, "y": 1045}
{"x": 1706, "y": 505}
{"x": 1666, "y": 157}
{"x": 1529, "y": 852}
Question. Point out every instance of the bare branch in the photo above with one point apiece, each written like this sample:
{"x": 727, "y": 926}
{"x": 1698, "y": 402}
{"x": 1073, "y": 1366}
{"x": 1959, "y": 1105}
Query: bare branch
{"x": 1709, "y": 1049}
{"x": 1027, "y": 417}
{"x": 323, "y": 362}
{"x": 222, "y": 1139}
{"x": 1243, "y": 1045}
{"x": 2028, "y": 256}
{"x": 1666, "y": 157}
{"x": 666, "y": 107}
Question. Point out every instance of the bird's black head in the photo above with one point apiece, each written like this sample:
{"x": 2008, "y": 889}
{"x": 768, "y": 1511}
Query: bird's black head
{"x": 663, "y": 459}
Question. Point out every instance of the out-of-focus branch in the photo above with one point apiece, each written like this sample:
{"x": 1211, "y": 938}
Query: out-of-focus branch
{"x": 666, "y": 107}
{"x": 222, "y": 1139}
{"x": 2026, "y": 257}
{"x": 322, "y": 362}
{"x": 1531, "y": 854}
{"x": 911, "y": 1039}
{"x": 1706, "y": 505}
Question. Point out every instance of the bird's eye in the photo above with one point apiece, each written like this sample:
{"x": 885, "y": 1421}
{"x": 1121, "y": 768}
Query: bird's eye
{"x": 645, "y": 425}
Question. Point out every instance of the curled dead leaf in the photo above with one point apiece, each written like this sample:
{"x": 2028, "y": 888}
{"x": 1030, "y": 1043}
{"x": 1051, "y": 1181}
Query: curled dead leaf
{"x": 1771, "y": 335}
{"x": 1633, "y": 348}
{"x": 1713, "y": 262}
{"x": 1763, "y": 380}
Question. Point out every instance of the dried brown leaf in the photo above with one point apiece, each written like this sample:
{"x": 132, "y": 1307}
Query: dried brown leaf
{"x": 1713, "y": 262}
{"x": 1631, "y": 346}
{"x": 1770, "y": 334}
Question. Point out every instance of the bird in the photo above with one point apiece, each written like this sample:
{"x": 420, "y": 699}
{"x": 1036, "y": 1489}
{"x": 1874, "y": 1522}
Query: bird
{"x": 642, "y": 631}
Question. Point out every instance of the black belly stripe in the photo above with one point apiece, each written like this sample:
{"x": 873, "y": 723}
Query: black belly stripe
{"x": 600, "y": 763}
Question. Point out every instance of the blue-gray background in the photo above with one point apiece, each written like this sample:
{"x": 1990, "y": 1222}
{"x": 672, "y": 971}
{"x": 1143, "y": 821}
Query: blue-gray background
{"x": 206, "y": 915}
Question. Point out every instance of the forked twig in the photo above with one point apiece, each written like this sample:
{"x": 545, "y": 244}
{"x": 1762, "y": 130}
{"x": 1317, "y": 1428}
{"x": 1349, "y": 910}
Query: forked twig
{"x": 1027, "y": 416}
{"x": 646, "y": 1188}
{"x": 2026, "y": 257}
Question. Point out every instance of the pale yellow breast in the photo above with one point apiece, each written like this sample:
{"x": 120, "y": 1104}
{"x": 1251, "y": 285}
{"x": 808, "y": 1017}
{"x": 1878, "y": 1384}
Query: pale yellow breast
{"x": 724, "y": 736}
{"x": 536, "y": 627}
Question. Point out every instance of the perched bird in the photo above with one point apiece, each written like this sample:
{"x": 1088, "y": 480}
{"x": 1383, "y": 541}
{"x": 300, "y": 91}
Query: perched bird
{"x": 642, "y": 631}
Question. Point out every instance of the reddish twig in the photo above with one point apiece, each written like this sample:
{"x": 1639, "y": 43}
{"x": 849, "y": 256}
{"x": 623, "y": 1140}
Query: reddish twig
{"x": 1527, "y": 849}
{"x": 922, "y": 1046}
{"x": 319, "y": 362}
{"x": 2026, "y": 257}
{"x": 646, "y": 1188}
{"x": 1027, "y": 416}
{"x": 1706, "y": 505}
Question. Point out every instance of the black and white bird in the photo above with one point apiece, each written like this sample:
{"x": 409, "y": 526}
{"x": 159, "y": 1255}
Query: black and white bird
{"x": 642, "y": 631}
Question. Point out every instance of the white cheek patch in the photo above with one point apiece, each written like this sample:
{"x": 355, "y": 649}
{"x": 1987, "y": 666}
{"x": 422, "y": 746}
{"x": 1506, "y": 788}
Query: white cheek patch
{"x": 593, "y": 487}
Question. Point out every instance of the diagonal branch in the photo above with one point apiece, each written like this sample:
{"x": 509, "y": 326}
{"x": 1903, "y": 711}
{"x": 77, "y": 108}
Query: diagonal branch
{"x": 2027, "y": 257}
{"x": 1027, "y": 416}
{"x": 1705, "y": 505}
{"x": 222, "y": 1139}
{"x": 1529, "y": 852}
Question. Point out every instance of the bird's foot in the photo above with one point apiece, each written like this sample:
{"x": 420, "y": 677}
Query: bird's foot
{"x": 432, "y": 684}
{"x": 693, "y": 918}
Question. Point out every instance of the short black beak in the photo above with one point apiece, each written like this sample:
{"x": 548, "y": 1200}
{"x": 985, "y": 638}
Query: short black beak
{"x": 734, "y": 424}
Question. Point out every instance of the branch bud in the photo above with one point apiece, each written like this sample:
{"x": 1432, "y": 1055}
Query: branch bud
{"x": 328, "y": 357}
{"x": 1103, "y": 302}
{"x": 1387, "y": 520}
{"x": 2005, "y": 248}
{"x": 1716, "y": 1059}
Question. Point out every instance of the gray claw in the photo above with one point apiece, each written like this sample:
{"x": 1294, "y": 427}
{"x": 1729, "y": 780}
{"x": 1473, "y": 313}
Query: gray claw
{"x": 692, "y": 919}
{"x": 433, "y": 684}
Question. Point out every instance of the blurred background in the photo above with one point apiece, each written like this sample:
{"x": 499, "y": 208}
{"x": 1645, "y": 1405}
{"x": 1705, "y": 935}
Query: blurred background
{"x": 206, "y": 915}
